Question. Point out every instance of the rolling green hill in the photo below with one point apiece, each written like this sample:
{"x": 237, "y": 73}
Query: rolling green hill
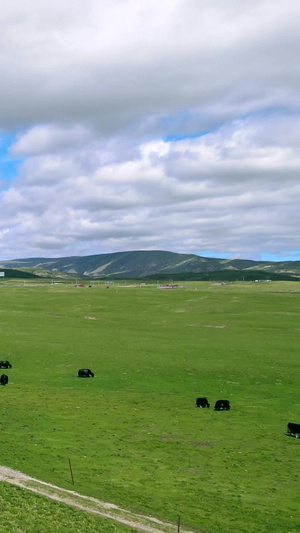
{"x": 141, "y": 264}
{"x": 227, "y": 276}
{"x": 13, "y": 273}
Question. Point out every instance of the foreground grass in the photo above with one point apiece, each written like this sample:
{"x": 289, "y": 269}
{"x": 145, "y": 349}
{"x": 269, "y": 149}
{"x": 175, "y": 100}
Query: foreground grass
{"x": 133, "y": 433}
{"x": 24, "y": 512}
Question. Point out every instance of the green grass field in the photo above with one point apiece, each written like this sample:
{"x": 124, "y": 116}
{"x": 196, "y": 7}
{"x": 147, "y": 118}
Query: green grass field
{"x": 25, "y": 512}
{"x": 133, "y": 433}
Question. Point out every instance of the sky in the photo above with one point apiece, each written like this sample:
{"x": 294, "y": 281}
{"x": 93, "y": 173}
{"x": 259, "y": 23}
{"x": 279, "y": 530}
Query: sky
{"x": 150, "y": 125}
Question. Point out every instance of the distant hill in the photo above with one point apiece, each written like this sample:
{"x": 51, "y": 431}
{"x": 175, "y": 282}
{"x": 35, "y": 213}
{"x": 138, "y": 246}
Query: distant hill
{"x": 226, "y": 276}
{"x": 13, "y": 273}
{"x": 143, "y": 264}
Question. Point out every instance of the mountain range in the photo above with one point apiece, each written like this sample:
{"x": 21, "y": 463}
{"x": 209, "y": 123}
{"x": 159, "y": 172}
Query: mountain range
{"x": 147, "y": 264}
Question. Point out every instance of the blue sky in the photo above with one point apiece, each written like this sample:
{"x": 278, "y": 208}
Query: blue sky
{"x": 131, "y": 126}
{"x": 9, "y": 166}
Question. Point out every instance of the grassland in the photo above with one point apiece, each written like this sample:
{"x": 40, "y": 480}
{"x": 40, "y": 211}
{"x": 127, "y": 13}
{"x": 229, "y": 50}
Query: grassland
{"x": 25, "y": 512}
{"x": 133, "y": 433}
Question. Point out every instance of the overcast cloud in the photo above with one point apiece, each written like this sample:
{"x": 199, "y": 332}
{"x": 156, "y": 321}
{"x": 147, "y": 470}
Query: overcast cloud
{"x": 139, "y": 125}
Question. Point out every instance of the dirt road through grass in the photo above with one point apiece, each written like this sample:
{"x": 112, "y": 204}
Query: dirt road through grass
{"x": 86, "y": 503}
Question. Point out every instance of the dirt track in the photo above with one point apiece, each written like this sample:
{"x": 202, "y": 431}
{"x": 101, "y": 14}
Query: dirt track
{"x": 86, "y": 503}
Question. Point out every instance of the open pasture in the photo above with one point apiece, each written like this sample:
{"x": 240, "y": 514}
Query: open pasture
{"x": 25, "y": 512}
{"x": 132, "y": 432}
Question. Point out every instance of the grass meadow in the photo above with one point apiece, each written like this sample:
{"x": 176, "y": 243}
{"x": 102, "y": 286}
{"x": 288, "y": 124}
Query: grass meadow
{"x": 133, "y": 433}
{"x": 25, "y": 512}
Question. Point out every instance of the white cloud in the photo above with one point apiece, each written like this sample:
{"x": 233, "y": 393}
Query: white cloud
{"x": 45, "y": 139}
{"x": 91, "y": 91}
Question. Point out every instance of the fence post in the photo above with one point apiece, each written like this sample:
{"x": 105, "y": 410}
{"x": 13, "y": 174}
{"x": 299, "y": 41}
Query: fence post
{"x": 71, "y": 471}
{"x": 178, "y": 525}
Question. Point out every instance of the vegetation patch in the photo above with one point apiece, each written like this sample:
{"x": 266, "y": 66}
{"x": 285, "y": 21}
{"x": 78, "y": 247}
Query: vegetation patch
{"x": 132, "y": 433}
{"x": 26, "y": 512}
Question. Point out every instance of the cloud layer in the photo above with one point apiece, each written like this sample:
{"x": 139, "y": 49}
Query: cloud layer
{"x": 134, "y": 125}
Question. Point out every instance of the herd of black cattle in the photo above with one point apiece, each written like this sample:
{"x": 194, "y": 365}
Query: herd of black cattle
{"x": 220, "y": 405}
{"x": 293, "y": 430}
{"x": 4, "y": 377}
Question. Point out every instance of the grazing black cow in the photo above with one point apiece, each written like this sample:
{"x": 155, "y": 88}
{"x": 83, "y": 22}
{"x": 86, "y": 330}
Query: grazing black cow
{"x": 202, "y": 402}
{"x": 5, "y": 364}
{"x": 85, "y": 373}
{"x": 293, "y": 430}
{"x": 222, "y": 405}
{"x": 3, "y": 379}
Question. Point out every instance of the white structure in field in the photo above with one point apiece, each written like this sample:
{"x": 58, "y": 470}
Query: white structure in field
{"x": 2, "y": 274}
